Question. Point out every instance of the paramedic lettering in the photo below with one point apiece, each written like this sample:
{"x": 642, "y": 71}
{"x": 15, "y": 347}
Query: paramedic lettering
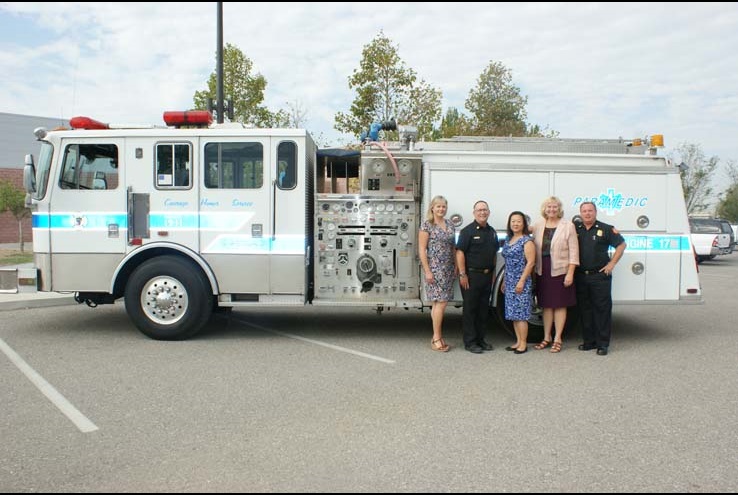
{"x": 612, "y": 202}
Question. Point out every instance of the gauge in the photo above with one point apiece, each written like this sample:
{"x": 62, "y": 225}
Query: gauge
{"x": 405, "y": 166}
{"x": 390, "y": 207}
{"x": 378, "y": 165}
{"x": 331, "y": 226}
{"x": 325, "y": 206}
{"x": 349, "y": 205}
{"x": 380, "y": 207}
{"x": 363, "y": 207}
{"x": 336, "y": 207}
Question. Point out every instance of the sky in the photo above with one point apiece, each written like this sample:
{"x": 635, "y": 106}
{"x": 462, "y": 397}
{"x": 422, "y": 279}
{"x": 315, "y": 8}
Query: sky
{"x": 589, "y": 70}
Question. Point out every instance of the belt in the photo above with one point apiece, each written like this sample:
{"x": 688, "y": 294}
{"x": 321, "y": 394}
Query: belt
{"x": 480, "y": 270}
{"x": 590, "y": 272}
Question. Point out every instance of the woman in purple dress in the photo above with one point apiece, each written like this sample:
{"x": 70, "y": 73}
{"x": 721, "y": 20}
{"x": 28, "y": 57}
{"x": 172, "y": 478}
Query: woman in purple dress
{"x": 437, "y": 252}
{"x": 557, "y": 255}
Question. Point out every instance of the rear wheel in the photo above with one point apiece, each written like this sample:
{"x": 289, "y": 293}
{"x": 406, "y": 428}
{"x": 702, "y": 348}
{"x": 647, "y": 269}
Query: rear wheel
{"x": 535, "y": 322}
{"x": 168, "y": 298}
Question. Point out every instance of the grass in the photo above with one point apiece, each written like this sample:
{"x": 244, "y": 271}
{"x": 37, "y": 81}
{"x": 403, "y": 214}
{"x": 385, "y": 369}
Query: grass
{"x": 14, "y": 257}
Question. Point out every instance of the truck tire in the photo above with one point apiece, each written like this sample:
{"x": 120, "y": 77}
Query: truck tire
{"x": 168, "y": 298}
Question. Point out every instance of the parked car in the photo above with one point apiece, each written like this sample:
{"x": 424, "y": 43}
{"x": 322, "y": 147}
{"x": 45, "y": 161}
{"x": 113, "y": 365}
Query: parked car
{"x": 708, "y": 237}
{"x": 728, "y": 229}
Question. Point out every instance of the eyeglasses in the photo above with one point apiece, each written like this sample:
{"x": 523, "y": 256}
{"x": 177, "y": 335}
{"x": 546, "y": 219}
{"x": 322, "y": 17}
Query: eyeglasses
{"x": 481, "y": 210}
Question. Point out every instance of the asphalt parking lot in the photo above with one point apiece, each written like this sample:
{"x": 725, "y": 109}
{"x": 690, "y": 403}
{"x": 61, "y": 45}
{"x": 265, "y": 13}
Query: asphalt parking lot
{"x": 316, "y": 399}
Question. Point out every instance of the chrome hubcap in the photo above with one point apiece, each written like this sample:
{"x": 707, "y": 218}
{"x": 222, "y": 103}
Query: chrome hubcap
{"x": 164, "y": 300}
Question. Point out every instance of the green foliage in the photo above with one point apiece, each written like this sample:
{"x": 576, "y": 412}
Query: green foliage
{"x": 454, "y": 123}
{"x": 497, "y": 108}
{"x": 13, "y": 200}
{"x": 496, "y": 105}
{"x": 244, "y": 88}
{"x": 538, "y": 131}
{"x": 386, "y": 89}
{"x": 9, "y": 257}
{"x": 728, "y": 206}
{"x": 696, "y": 177}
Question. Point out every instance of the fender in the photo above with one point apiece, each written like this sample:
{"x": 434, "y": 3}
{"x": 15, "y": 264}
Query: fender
{"x": 189, "y": 253}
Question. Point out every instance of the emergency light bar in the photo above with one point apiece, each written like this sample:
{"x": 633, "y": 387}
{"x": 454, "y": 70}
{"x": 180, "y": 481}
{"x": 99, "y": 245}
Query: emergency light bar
{"x": 86, "y": 123}
{"x": 190, "y": 117}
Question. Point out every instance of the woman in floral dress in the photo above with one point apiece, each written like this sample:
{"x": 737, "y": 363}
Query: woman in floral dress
{"x": 520, "y": 257}
{"x": 437, "y": 252}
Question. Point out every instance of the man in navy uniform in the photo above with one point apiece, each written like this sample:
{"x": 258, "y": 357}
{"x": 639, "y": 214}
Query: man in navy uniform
{"x": 476, "y": 256}
{"x": 594, "y": 277}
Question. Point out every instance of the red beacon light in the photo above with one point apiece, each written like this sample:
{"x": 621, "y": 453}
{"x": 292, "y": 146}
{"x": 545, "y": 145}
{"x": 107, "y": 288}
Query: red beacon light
{"x": 200, "y": 118}
{"x": 86, "y": 123}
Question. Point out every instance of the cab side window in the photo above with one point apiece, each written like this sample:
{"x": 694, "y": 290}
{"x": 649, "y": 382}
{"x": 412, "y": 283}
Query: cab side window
{"x": 234, "y": 165}
{"x": 89, "y": 166}
{"x": 286, "y": 172}
{"x": 173, "y": 166}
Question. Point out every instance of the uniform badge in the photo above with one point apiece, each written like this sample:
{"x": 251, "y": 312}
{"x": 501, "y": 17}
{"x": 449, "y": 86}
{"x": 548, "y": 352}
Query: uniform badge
{"x": 599, "y": 233}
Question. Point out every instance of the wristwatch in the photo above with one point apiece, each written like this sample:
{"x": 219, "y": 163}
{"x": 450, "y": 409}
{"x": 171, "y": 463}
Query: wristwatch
{"x": 462, "y": 275}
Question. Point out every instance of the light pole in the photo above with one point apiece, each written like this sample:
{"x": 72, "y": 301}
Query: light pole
{"x": 219, "y": 68}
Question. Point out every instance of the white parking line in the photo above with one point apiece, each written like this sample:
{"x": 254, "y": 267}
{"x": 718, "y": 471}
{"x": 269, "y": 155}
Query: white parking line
{"x": 71, "y": 412}
{"x": 316, "y": 342}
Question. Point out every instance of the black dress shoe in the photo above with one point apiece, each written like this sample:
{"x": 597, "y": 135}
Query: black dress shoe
{"x": 474, "y": 348}
{"x": 511, "y": 348}
{"x": 602, "y": 351}
{"x": 485, "y": 346}
{"x": 520, "y": 352}
{"x": 587, "y": 347}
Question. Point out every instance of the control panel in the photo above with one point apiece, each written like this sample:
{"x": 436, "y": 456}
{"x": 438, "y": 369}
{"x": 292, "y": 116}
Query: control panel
{"x": 365, "y": 248}
{"x": 379, "y": 175}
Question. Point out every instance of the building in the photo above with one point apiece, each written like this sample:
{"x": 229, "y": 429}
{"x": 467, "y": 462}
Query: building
{"x": 16, "y": 141}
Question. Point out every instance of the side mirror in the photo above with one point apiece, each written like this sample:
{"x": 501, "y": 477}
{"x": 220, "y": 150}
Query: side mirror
{"x": 29, "y": 175}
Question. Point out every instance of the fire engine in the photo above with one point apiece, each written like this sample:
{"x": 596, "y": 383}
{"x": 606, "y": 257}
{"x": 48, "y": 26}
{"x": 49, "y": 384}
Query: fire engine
{"x": 185, "y": 219}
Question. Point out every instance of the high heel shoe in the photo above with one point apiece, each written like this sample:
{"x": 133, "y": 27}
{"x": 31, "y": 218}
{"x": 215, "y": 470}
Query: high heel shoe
{"x": 439, "y": 345}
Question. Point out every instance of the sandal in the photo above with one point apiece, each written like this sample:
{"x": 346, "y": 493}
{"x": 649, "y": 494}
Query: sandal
{"x": 439, "y": 345}
{"x": 556, "y": 347}
{"x": 542, "y": 345}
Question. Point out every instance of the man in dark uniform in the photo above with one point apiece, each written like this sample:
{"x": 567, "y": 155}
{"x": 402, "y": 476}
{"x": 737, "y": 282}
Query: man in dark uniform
{"x": 594, "y": 277}
{"x": 476, "y": 256}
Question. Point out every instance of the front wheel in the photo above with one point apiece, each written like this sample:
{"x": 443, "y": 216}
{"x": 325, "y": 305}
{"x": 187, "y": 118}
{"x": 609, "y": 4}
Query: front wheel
{"x": 168, "y": 298}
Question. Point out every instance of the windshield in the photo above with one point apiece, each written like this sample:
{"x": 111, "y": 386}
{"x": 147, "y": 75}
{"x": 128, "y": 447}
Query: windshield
{"x": 42, "y": 170}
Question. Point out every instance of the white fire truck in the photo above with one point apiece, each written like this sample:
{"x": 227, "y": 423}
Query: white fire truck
{"x": 185, "y": 219}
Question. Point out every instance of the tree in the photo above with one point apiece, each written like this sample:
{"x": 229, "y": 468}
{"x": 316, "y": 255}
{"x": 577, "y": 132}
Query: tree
{"x": 538, "y": 131}
{"x": 454, "y": 123}
{"x": 696, "y": 174}
{"x": 386, "y": 89}
{"x": 13, "y": 200}
{"x": 728, "y": 206}
{"x": 296, "y": 115}
{"x": 497, "y": 107}
{"x": 244, "y": 88}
